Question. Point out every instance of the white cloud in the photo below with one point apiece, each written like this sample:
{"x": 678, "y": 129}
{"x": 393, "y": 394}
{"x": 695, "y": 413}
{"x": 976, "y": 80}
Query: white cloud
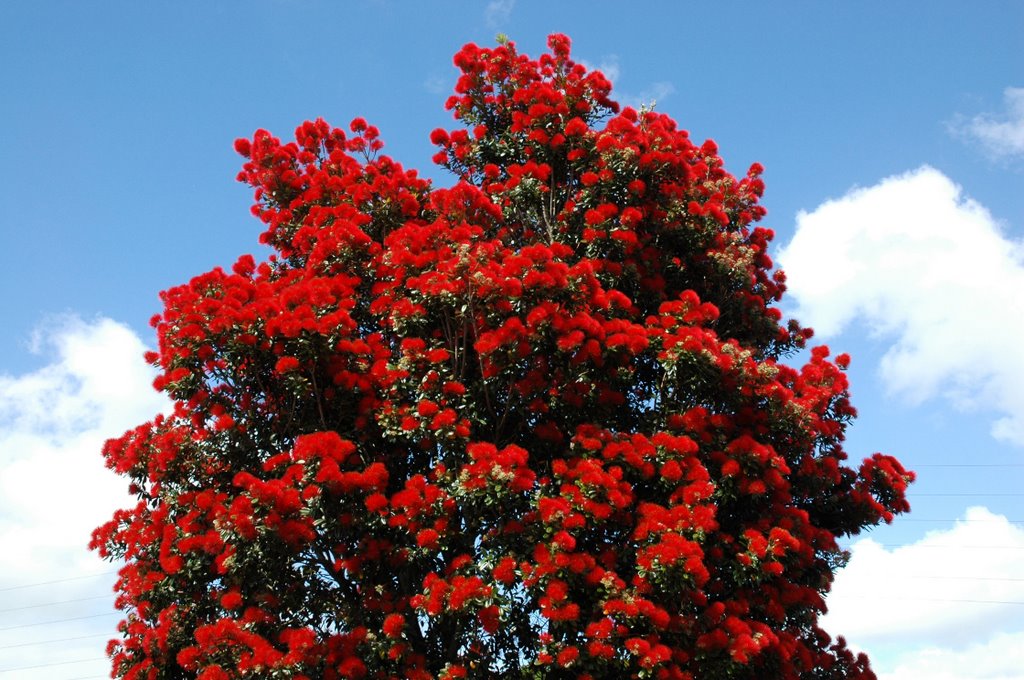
{"x": 937, "y": 607}
{"x": 952, "y": 586}
{"x": 54, "y": 489}
{"x": 1000, "y": 658}
{"x": 648, "y": 97}
{"x": 651, "y": 95}
{"x": 435, "y": 84}
{"x": 609, "y": 66}
{"x": 915, "y": 261}
{"x": 1002, "y": 135}
{"x": 498, "y": 12}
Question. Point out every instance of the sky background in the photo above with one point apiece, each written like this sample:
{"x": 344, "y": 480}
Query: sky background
{"x": 893, "y": 140}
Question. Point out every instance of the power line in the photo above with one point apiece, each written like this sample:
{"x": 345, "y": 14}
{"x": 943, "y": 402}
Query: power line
{"x": 926, "y": 599}
{"x": 54, "y": 604}
{"x": 47, "y": 623}
{"x": 48, "y": 665}
{"x": 952, "y": 547}
{"x": 968, "y": 465}
{"x": 60, "y": 580}
{"x": 971, "y": 578}
{"x": 950, "y": 521}
{"x": 47, "y": 642}
{"x": 979, "y": 493}
{"x": 889, "y": 576}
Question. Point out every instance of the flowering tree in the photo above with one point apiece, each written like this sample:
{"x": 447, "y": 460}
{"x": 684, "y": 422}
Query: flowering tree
{"x": 532, "y": 425}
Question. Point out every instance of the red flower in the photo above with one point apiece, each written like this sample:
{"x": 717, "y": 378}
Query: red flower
{"x": 376, "y": 502}
{"x": 231, "y": 600}
{"x": 490, "y": 618}
{"x": 504, "y": 572}
{"x": 559, "y": 44}
{"x": 394, "y": 624}
{"x": 286, "y": 365}
{"x": 567, "y": 656}
{"x": 427, "y": 538}
{"x": 575, "y": 127}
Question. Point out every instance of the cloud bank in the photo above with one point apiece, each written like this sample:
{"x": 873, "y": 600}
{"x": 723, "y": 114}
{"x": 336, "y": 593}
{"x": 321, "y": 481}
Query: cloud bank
{"x": 54, "y": 490}
{"x": 923, "y": 266}
{"x": 939, "y": 607}
{"x": 1000, "y": 658}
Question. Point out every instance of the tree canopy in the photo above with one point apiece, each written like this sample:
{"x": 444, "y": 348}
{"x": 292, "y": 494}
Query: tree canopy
{"x": 534, "y": 424}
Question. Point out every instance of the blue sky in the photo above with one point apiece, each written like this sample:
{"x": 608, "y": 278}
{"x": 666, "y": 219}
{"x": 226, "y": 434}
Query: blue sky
{"x": 893, "y": 137}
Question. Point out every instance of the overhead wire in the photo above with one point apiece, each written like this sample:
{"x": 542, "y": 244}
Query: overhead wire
{"x": 987, "y": 494}
{"x": 54, "y": 663}
{"x": 968, "y": 465}
{"x": 48, "y": 642}
{"x": 47, "y": 623}
{"x": 59, "y": 580}
{"x": 903, "y": 598}
{"x": 54, "y": 604}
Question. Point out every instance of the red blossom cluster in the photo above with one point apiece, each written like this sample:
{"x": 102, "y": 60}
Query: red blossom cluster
{"x": 532, "y": 425}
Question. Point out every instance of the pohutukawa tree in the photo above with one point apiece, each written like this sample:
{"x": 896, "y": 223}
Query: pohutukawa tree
{"x": 532, "y": 425}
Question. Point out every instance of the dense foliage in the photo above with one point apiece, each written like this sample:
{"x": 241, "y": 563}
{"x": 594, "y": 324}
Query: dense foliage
{"x": 532, "y": 425}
